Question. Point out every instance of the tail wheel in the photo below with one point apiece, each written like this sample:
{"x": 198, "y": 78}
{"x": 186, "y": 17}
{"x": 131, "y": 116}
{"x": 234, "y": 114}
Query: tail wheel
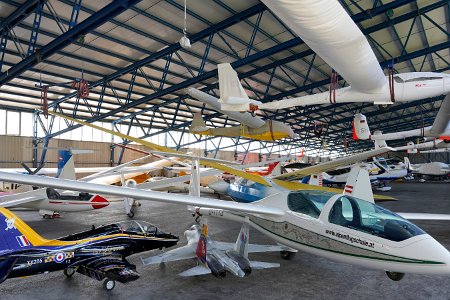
{"x": 109, "y": 284}
{"x": 395, "y": 276}
{"x": 130, "y": 214}
{"x": 69, "y": 272}
{"x": 287, "y": 255}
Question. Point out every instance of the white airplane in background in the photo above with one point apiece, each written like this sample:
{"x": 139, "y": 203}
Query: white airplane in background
{"x": 217, "y": 258}
{"x": 429, "y": 170}
{"x": 329, "y": 31}
{"x": 50, "y": 202}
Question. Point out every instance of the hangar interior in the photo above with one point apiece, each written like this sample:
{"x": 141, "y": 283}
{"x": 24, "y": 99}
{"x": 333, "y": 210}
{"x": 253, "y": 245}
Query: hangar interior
{"x": 126, "y": 65}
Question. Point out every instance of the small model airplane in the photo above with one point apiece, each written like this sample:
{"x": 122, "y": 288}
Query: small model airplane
{"x": 329, "y": 31}
{"x": 51, "y": 202}
{"x": 99, "y": 253}
{"x": 217, "y": 258}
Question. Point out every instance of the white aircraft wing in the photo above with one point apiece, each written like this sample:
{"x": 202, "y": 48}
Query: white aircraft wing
{"x": 198, "y": 270}
{"x": 169, "y": 181}
{"x": 74, "y": 185}
{"x": 18, "y": 201}
{"x": 425, "y": 216}
{"x": 185, "y": 252}
{"x": 442, "y": 120}
{"x": 329, "y": 31}
{"x": 330, "y": 165}
{"x": 254, "y": 248}
{"x": 258, "y": 265}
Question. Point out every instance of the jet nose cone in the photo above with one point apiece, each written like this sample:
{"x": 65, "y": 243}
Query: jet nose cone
{"x": 99, "y": 202}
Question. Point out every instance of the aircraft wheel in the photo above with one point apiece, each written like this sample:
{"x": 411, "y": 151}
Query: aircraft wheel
{"x": 395, "y": 276}
{"x": 130, "y": 214}
{"x": 287, "y": 255}
{"x": 109, "y": 284}
{"x": 69, "y": 272}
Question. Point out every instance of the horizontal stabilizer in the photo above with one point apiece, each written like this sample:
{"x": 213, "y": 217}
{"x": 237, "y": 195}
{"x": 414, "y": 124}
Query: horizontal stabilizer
{"x": 185, "y": 252}
{"x": 255, "y": 248}
{"x": 195, "y": 271}
{"x": 258, "y": 265}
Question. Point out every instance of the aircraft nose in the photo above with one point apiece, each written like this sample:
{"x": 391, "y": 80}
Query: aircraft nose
{"x": 99, "y": 202}
{"x": 435, "y": 256}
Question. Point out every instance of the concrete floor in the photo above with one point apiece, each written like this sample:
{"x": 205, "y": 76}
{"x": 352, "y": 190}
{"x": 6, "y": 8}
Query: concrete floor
{"x": 306, "y": 276}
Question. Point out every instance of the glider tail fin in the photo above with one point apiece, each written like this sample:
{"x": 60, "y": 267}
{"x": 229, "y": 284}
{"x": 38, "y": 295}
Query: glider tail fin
{"x": 198, "y": 124}
{"x": 232, "y": 93}
{"x": 241, "y": 245}
{"x": 379, "y": 143}
{"x": 66, "y": 166}
{"x": 361, "y": 129}
{"x": 358, "y": 184}
{"x": 272, "y": 168}
{"x": 15, "y": 234}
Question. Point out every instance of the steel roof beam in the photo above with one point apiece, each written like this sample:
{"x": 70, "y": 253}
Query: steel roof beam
{"x": 102, "y": 16}
{"x": 18, "y": 15}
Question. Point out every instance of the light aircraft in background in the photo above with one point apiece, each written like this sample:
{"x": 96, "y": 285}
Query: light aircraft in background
{"x": 217, "y": 258}
{"x": 51, "y": 202}
{"x": 99, "y": 253}
{"x": 429, "y": 170}
{"x": 341, "y": 227}
{"x": 329, "y": 31}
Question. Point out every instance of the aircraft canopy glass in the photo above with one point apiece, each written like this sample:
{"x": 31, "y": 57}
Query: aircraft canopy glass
{"x": 367, "y": 217}
{"x": 308, "y": 202}
{"x": 139, "y": 227}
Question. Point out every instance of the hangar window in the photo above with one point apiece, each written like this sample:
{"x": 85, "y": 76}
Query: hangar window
{"x": 308, "y": 202}
{"x": 369, "y": 218}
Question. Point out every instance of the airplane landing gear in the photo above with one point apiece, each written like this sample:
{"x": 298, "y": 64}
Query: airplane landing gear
{"x": 287, "y": 255}
{"x": 395, "y": 276}
{"x": 109, "y": 284}
{"x": 130, "y": 214}
{"x": 55, "y": 215}
{"x": 69, "y": 272}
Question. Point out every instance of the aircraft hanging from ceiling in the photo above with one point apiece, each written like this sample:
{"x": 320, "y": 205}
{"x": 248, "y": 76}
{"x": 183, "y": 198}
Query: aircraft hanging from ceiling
{"x": 252, "y": 127}
{"x": 329, "y": 31}
{"x": 217, "y": 258}
{"x": 335, "y": 226}
{"x": 99, "y": 253}
{"x": 50, "y": 202}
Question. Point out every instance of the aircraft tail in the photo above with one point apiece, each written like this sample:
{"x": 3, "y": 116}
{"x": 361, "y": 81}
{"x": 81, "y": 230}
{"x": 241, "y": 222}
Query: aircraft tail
{"x": 15, "y": 234}
{"x": 316, "y": 179}
{"x": 274, "y": 169}
{"x": 66, "y": 166}
{"x": 379, "y": 143}
{"x": 200, "y": 252}
{"x": 407, "y": 164}
{"x": 358, "y": 184}
{"x": 198, "y": 124}
{"x": 442, "y": 118}
{"x": 361, "y": 129}
{"x": 194, "y": 186}
{"x": 231, "y": 91}
{"x": 411, "y": 148}
{"x": 241, "y": 245}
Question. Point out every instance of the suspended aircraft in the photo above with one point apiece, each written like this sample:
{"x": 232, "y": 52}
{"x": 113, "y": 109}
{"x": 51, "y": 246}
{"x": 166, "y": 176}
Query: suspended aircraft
{"x": 439, "y": 131}
{"x": 335, "y": 226}
{"x": 329, "y": 31}
{"x": 217, "y": 258}
{"x": 251, "y": 127}
{"x": 99, "y": 253}
{"x": 51, "y": 202}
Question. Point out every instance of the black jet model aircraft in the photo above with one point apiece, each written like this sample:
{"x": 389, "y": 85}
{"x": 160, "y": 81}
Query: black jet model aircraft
{"x": 99, "y": 253}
